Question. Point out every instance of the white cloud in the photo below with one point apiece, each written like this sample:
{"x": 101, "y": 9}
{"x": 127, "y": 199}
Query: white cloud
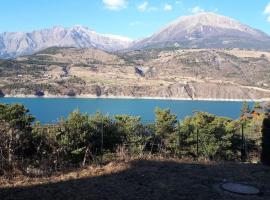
{"x": 178, "y": 2}
{"x": 115, "y": 4}
{"x": 197, "y": 9}
{"x": 267, "y": 9}
{"x": 267, "y": 12}
{"x": 143, "y": 7}
{"x": 168, "y": 7}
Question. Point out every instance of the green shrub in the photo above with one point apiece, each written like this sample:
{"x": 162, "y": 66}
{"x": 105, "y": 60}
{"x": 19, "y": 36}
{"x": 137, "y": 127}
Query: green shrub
{"x": 214, "y": 136}
{"x": 80, "y": 138}
{"x": 15, "y": 133}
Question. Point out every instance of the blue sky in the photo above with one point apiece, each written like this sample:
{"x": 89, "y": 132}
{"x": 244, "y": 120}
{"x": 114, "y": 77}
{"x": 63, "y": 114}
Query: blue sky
{"x": 131, "y": 18}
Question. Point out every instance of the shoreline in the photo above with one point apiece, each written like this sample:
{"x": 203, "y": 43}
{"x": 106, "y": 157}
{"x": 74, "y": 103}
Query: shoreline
{"x": 131, "y": 97}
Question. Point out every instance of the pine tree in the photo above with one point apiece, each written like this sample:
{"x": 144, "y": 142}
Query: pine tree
{"x": 165, "y": 122}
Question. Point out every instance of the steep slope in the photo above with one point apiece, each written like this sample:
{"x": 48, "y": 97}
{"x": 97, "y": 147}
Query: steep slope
{"x": 206, "y": 30}
{"x": 20, "y": 43}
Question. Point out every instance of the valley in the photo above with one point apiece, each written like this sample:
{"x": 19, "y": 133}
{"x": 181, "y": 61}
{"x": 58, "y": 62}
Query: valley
{"x": 153, "y": 73}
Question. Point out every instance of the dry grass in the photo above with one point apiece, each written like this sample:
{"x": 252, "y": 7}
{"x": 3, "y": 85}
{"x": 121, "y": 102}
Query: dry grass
{"x": 142, "y": 179}
{"x": 246, "y": 53}
{"x": 87, "y": 172}
{"x": 168, "y": 73}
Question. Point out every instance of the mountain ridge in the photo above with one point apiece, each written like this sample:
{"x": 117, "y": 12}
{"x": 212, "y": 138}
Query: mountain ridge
{"x": 14, "y": 44}
{"x": 213, "y": 19}
{"x": 203, "y": 30}
{"x": 206, "y": 30}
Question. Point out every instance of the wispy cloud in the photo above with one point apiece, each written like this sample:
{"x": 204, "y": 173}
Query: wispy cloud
{"x": 143, "y": 6}
{"x": 196, "y": 10}
{"x": 115, "y": 4}
{"x": 168, "y": 7}
{"x": 267, "y": 12}
{"x": 267, "y": 9}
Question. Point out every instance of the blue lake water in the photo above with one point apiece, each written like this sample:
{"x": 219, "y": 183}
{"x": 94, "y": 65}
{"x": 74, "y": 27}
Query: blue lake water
{"x": 49, "y": 110}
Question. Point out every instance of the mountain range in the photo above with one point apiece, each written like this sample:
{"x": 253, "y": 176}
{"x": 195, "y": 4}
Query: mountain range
{"x": 204, "y": 30}
{"x": 20, "y": 43}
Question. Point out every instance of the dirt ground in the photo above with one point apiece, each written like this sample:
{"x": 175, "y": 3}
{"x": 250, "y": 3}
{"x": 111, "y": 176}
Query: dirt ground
{"x": 142, "y": 179}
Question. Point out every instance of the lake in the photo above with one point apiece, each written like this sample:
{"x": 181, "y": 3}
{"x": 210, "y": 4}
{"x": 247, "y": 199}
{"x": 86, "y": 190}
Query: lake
{"x": 49, "y": 110}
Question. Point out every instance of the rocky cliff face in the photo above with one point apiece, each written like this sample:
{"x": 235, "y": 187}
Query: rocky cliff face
{"x": 191, "y": 74}
{"x": 20, "y": 43}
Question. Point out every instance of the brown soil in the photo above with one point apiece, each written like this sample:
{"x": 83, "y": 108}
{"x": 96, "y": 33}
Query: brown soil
{"x": 142, "y": 179}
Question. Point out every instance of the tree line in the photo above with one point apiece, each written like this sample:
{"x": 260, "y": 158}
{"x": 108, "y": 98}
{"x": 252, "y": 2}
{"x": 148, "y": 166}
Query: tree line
{"x": 82, "y": 139}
